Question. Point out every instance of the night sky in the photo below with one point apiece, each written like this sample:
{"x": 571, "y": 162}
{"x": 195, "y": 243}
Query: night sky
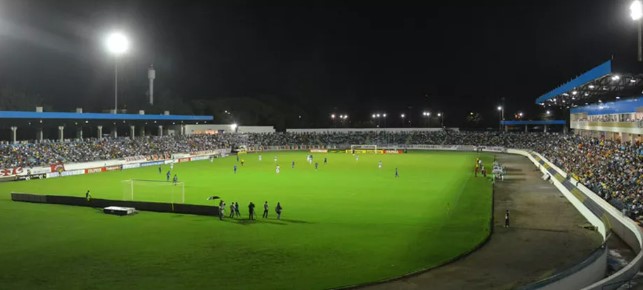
{"x": 320, "y": 57}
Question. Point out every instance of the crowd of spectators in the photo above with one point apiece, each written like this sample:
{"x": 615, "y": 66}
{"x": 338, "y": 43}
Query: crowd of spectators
{"x": 612, "y": 169}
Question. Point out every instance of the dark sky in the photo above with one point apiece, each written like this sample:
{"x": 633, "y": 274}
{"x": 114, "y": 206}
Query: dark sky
{"x": 356, "y": 57}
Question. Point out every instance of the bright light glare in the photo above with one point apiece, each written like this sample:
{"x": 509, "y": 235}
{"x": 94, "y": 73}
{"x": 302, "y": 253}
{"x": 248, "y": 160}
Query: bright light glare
{"x": 332, "y": 116}
{"x": 402, "y": 115}
{"x": 234, "y": 126}
{"x": 499, "y": 108}
{"x": 616, "y": 78}
{"x": 117, "y": 43}
{"x": 636, "y": 10}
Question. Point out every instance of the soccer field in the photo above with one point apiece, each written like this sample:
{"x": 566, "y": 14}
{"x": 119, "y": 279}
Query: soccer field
{"x": 346, "y": 223}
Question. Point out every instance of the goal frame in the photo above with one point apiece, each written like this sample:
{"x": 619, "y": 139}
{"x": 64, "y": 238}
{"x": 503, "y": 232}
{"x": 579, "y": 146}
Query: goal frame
{"x": 369, "y": 148}
{"x": 130, "y": 194}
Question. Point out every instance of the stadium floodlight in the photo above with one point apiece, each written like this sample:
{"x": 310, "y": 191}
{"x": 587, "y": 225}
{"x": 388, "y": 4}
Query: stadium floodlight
{"x": 234, "y": 127}
{"x": 636, "y": 12}
{"x": 117, "y": 44}
{"x": 378, "y": 115}
{"x": 499, "y": 108}
{"x": 402, "y": 116}
{"x": 384, "y": 115}
{"x": 548, "y": 112}
{"x": 439, "y": 114}
{"x": 373, "y": 116}
{"x": 332, "y": 116}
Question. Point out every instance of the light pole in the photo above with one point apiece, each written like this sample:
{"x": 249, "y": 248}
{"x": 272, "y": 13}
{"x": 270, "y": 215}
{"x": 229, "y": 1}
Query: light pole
{"x": 636, "y": 12}
{"x": 117, "y": 44}
{"x": 501, "y": 116}
{"x": 427, "y": 115}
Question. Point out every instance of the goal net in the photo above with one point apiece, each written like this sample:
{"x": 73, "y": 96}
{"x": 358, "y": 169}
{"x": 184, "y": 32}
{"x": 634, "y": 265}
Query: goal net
{"x": 153, "y": 191}
{"x": 362, "y": 149}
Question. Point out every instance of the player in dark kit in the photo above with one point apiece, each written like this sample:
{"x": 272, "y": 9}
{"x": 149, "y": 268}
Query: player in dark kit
{"x": 325, "y": 160}
{"x": 236, "y": 209}
{"x": 167, "y": 175}
{"x": 265, "y": 210}
{"x": 278, "y": 210}
{"x": 88, "y": 195}
{"x": 397, "y": 174}
{"x": 251, "y": 211}
{"x": 235, "y": 169}
{"x": 316, "y": 165}
{"x": 507, "y": 219}
{"x": 159, "y": 169}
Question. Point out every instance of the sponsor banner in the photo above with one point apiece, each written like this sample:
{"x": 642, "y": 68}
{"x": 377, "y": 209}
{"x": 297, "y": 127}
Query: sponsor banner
{"x": 181, "y": 160}
{"x": 180, "y": 155}
{"x": 95, "y": 170}
{"x": 197, "y": 158}
{"x": 65, "y": 173}
{"x": 38, "y": 170}
{"x": 492, "y": 149}
{"x": 318, "y": 151}
{"x": 153, "y": 163}
{"x": 11, "y": 171}
{"x": 135, "y": 158}
{"x": 32, "y": 176}
{"x": 393, "y": 151}
{"x": 113, "y": 167}
{"x": 58, "y": 167}
{"x": 130, "y": 166}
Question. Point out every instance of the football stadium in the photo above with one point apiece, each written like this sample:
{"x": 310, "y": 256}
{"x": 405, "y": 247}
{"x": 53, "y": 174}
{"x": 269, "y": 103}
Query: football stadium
{"x": 186, "y": 193}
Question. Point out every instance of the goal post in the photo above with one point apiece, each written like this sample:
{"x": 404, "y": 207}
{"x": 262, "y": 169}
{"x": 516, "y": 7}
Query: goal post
{"x": 363, "y": 149}
{"x": 153, "y": 191}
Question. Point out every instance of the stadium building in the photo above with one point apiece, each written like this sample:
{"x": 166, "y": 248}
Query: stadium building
{"x": 606, "y": 101}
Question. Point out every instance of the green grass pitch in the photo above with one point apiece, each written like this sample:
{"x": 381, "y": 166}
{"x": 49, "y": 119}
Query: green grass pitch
{"x": 346, "y": 223}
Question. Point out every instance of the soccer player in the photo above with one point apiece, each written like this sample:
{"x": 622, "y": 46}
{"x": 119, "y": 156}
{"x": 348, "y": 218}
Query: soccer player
{"x": 278, "y": 210}
{"x": 259, "y": 157}
{"x": 231, "y": 210}
{"x": 316, "y": 165}
{"x": 175, "y": 179}
{"x": 88, "y": 195}
{"x": 251, "y": 211}
{"x": 325, "y": 160}
{"x": 397, "y": 174}
{"x": 379, "y": 164}
{"x": 277, "y": 169}
{"x": 236, "y": 209}
{"x": 275, "y": 158}
{"x": 237, "y": 156}
{"x": 265, "y": 210}
{"x": 507, "y": 219}
{"x": 167, "y": 175}
{"x": 356, "y": 157}
{"x": 160, "y": 169}
{"x": 221, "y": 209}
{"x": 292, "y": 165}
{"x": 211, "y": 159}
{"x": 242, "y": 161}
{"x": 235, "y": 169}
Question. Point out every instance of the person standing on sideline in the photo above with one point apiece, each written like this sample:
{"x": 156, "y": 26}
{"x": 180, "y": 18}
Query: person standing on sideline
{"x": 88, "y": 195}
{"x": 278, "y": 210}
{"x": 235, "y": 169}
{"x": 231, "y": 210}
{"x": 265, "y": 210}
{"x": 236, "y": 209}
{"x": 507, "y": 219}
{"x": 221, "y": 209}
{"x": 397, "y": 174}
{"x": 251, "y": 211}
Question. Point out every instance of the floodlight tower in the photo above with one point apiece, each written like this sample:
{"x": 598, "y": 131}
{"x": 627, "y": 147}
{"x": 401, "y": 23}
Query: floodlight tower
{"x": 151, "y": 75}
{"x": 636, "y": 12}
{"x": 117, "y": 44}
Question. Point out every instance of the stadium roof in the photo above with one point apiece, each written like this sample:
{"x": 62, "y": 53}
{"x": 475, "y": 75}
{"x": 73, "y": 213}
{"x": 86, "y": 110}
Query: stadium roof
{"x": 100, "y": 116}
{"x": 607, "y": 81}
